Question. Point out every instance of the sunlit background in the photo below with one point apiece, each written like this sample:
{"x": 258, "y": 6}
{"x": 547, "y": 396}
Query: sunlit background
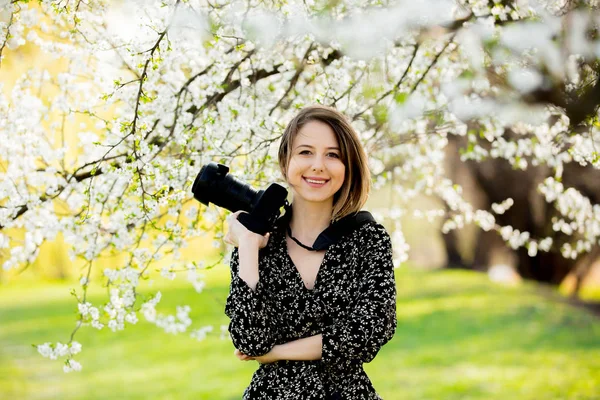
{"x": 462, "y": 334}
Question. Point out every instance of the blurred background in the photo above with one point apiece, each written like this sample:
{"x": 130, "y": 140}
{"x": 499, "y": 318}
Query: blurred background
{"x": 477, "y": 318}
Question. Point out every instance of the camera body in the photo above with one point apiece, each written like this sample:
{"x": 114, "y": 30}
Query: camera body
{"x": 214, "y": 185}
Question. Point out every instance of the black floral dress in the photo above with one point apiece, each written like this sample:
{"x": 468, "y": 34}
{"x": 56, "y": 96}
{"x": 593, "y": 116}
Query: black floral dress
{"x": 352, "y": 304}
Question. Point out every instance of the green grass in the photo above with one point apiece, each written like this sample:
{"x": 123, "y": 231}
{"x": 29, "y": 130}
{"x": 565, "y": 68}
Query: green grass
{"x": 459, "y": 337}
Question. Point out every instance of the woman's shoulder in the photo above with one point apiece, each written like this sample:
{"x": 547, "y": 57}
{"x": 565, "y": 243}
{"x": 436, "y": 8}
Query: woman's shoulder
{"x": 372, "y": 227}
{"x": 373, "y": 235}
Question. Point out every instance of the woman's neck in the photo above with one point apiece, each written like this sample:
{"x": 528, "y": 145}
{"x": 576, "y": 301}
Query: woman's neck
{"x": 309, "y": 220}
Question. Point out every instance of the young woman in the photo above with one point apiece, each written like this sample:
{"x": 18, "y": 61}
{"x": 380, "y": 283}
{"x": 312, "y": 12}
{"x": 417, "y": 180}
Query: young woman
{"x": 309, "y": 306}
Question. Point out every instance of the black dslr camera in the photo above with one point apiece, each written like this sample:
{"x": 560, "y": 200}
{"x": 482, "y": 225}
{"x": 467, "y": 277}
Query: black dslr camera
{"x": 214, "y": 185}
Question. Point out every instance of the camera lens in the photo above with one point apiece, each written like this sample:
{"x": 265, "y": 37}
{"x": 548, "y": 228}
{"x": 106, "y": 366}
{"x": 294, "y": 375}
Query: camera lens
{"x": 214, "y": 185}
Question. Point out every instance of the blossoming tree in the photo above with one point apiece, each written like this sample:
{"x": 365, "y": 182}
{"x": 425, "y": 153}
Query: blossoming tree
{"x": 167, "y": 86}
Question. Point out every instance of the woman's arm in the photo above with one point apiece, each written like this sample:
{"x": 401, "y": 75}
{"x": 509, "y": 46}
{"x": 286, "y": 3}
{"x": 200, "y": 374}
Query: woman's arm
{"x": 308, "y": 348}
{"x": 248, "y": 259}
{"x": 305, "y": 349}
{"x": 358, "y": 337}
{"x": 252, "y": 326}
{"x": 248, "y": 243}
{"x": 252, "y": 323}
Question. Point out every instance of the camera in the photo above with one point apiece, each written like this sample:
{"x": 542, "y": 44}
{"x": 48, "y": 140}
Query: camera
{"x": 214, "y": 185}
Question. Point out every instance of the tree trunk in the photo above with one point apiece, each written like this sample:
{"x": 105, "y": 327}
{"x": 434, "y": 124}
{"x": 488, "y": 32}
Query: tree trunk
{"x": 493, "y": 181}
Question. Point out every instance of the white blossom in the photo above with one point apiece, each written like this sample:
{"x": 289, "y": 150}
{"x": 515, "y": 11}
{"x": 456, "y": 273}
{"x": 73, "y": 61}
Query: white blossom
{"x": 71, "y": 365}
{"x": 150, "y": 91}
{"x": 200, "y": 334}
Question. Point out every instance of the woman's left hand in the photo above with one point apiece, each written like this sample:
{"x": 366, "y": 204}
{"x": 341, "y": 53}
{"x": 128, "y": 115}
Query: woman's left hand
{"x": 264, "y": 359}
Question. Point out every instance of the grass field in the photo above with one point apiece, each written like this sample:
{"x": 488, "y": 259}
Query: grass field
{"x": 459, "y": 336}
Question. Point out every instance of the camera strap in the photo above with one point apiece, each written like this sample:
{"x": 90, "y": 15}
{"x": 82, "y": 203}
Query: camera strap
{"x": 335, "y": 231}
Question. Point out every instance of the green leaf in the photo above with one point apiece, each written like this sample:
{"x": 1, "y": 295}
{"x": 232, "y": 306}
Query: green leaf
{"x": 380, "y": 112}
{"x": 467, "y": 74}
{"x": 400, "y": 98}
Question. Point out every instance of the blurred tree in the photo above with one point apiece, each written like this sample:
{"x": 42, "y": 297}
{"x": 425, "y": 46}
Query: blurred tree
{"x": 492, "y": 181}
{"x": 164, "y": 87}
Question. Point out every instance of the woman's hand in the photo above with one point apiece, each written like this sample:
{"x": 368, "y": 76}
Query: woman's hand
{"x": 238, "y": 233}
{"x": 268, "y": 358}
{"x": 241, "y": 356}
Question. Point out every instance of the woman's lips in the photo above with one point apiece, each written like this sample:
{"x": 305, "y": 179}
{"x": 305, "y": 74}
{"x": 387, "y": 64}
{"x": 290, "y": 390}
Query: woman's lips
{"x": 316, "y": 185}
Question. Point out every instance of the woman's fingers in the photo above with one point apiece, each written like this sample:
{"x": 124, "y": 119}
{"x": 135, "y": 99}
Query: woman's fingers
{"x": 236, "y": 231}
{"x": 233, "y": 216}
{"x": 231, "y": 219}
{"x": 241, "y": 356}
{"x": 265, "y": 240}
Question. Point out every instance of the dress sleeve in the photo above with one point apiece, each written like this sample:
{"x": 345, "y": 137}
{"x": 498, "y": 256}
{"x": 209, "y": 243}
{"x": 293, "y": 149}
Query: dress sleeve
{"x": 251, "y": 324}
{"x": 372, "y": 321}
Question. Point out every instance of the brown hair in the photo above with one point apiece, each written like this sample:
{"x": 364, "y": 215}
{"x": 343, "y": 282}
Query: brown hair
{"x": 357, "y": 180}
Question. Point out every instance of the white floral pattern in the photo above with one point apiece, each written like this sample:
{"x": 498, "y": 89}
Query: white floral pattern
{"x": 352, "y": 304}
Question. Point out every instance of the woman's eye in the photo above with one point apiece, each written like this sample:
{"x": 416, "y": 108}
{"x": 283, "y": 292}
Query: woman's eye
{"x": 334, "y": 155}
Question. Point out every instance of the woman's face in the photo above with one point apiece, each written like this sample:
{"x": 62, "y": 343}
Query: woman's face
{"x": 315, "y": 170}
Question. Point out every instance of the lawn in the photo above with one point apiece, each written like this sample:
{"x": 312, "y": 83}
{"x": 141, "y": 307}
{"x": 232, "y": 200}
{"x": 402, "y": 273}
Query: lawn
{"x": 459, "y": 336}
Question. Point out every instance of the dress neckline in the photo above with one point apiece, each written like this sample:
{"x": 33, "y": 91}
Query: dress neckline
{"x": 296, "y": 272}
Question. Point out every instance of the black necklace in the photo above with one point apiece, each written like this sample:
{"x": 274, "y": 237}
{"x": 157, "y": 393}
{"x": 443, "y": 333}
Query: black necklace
{"x": 289, "y": 231}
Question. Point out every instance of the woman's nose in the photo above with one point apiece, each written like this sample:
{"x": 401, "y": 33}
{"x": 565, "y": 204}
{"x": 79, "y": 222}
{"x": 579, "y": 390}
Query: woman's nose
{"x": 318, "y": 163}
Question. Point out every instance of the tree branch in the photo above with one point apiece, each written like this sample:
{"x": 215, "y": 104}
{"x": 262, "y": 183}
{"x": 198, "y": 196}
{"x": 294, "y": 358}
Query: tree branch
{"x": 295, "y": 78}
{"x": 6, "y": 37}
{"x": 395, "y": 88}
{"x": 433, "y": 62}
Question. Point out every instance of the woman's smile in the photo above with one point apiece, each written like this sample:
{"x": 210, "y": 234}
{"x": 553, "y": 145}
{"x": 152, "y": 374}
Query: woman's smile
{"x": 315, "y": 182}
